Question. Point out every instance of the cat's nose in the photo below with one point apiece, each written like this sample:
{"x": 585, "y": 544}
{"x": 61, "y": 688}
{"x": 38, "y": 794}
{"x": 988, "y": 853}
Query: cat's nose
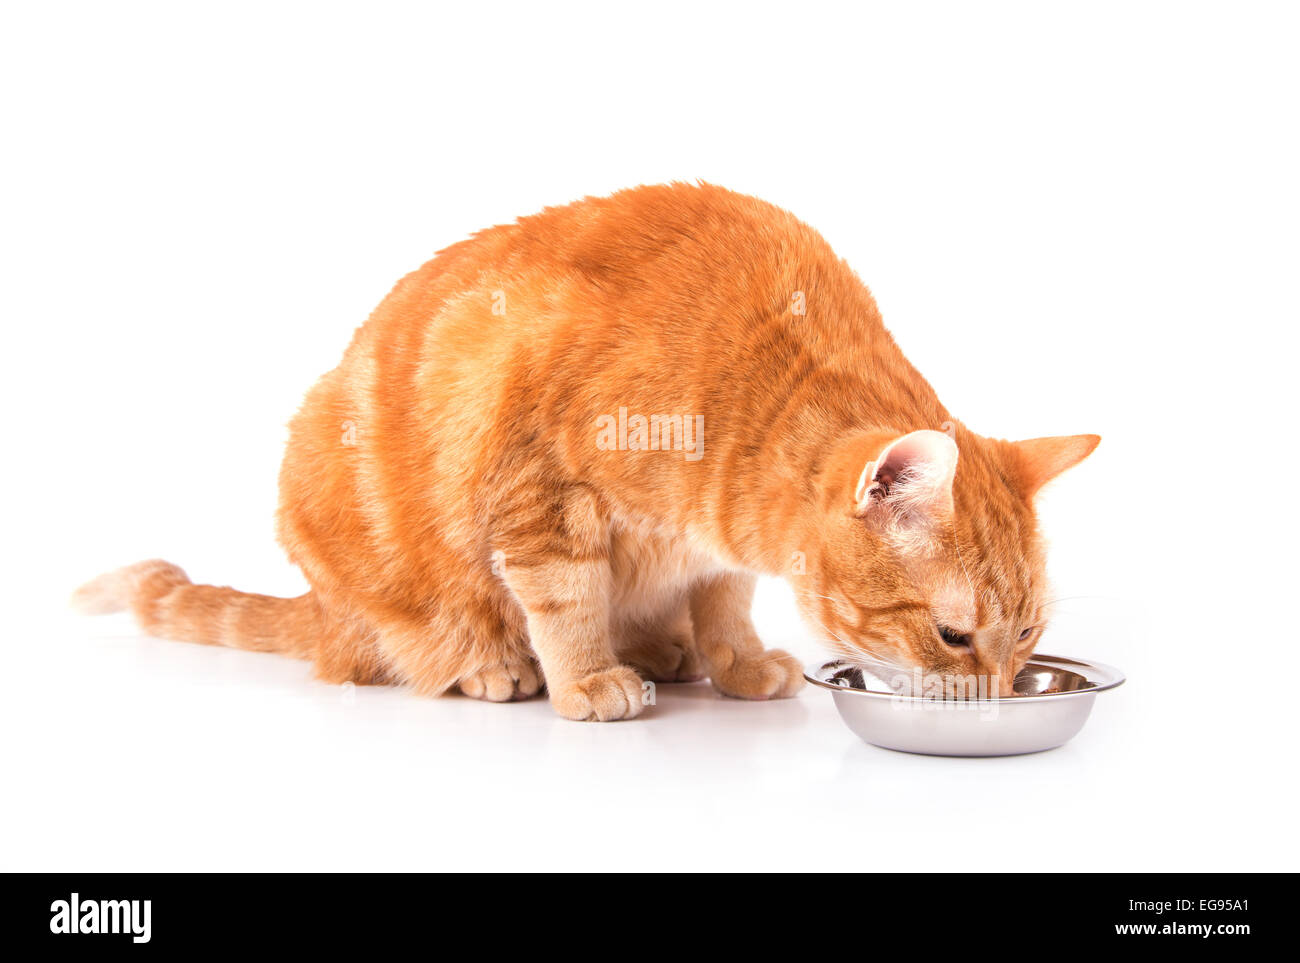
{"x": 1007, "y": 681}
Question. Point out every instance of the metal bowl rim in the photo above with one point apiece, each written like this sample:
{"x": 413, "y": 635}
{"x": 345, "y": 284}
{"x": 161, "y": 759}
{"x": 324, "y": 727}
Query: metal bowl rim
{"x": 1110, "y": 678}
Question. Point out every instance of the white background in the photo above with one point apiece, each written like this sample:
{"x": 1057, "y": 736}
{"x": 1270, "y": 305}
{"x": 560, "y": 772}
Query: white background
{"x": 1074, "y": 217}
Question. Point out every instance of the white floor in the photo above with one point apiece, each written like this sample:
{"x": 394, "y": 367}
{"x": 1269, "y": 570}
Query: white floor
{"x": 125, "y": 753}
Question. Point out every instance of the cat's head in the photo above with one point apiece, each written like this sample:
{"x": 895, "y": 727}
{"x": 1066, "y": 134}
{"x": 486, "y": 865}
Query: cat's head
{"x": 927, "y": 553}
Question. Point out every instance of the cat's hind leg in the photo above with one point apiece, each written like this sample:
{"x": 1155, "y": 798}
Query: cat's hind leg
{"x": 467, "y": 636}
{"x": 508, "y": 681}
{"x": 499, "y": 666}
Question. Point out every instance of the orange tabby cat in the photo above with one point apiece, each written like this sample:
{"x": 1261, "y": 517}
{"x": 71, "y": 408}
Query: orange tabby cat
{"x": 561, "y": 452}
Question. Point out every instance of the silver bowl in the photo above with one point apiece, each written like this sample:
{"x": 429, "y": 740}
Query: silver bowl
{"x": 1053, "y": 698}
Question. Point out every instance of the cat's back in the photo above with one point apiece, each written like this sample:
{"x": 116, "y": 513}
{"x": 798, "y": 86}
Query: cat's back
{"x": 685, "y": 261}
{"x": 504, "y": 345}
{"x": 662, "y": 284}
{"x": 636, "y": 234}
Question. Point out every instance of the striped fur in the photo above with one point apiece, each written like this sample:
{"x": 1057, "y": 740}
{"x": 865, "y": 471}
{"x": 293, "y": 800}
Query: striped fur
{"x": 445, "y": 492}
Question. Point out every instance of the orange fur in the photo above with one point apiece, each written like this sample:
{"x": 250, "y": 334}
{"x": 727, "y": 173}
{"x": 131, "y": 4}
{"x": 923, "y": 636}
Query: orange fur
{"x": 446, "y": 493}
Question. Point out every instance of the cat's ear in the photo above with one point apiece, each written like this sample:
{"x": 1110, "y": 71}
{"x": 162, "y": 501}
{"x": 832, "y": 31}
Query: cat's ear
{"x": 1039, "y": 460}
{"x": 910, "y": 482}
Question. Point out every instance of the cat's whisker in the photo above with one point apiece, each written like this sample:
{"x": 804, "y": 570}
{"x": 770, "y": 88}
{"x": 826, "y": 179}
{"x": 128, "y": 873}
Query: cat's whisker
{"x": 860, "y": 657}
{"x": 1069, "y": 598}
{"x": 828, "y": 598}
{"x": 827, "y": 630}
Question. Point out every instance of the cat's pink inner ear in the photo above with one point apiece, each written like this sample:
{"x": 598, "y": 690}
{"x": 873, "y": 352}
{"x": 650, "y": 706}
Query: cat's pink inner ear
{"x": 913, "y": 473}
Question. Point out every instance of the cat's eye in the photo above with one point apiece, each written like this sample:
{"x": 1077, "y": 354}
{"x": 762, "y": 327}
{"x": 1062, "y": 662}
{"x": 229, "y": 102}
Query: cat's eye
{"x": 954, "y": 638}
{"x": 1026, "y": 633}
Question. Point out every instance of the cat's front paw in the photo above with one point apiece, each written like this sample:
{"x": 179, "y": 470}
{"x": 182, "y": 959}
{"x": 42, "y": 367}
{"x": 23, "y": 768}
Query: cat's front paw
{"x": 600, "y": 697}
{"x": 772, "y": 674}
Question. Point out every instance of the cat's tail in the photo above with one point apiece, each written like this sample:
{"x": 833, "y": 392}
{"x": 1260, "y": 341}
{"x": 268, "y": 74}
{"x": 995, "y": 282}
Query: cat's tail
{"x": 167, "y": 604}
